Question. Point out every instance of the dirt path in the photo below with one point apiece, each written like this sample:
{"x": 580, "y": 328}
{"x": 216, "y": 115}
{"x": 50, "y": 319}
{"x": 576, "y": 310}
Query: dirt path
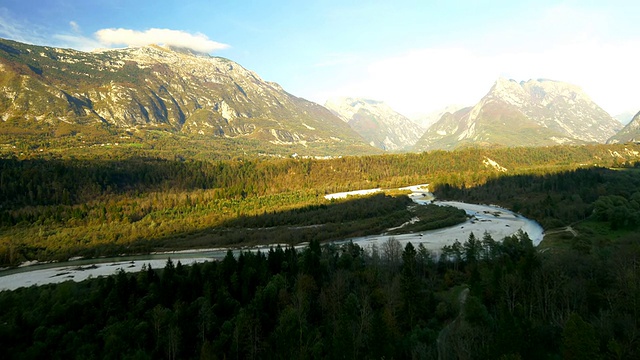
{"x": 565, "y": 229}
{"x": 441, "y": 342}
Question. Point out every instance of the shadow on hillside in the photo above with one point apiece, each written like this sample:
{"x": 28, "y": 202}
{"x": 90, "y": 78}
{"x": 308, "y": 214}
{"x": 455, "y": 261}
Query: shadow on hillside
{"x": 352, "y": 217}
{"x": 39, "y": 182}
{"x": 553, "y": 200}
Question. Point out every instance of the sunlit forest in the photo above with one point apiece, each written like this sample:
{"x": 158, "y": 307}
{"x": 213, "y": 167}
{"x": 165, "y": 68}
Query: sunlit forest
{"x": 57, "y": 208}
{"x": 575, "y": 296}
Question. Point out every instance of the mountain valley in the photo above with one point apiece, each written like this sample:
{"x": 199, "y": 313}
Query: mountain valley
{"x": 630, "y": 133}
{"x": 148, "y": 152}
{"x": 377, "y": 123}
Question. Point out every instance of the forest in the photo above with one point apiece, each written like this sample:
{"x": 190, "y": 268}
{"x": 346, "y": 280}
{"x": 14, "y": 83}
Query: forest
{"x": 575, "y": 296}
{"x": 485, "y": 299}
{"x": 599, "y": 204}
{"x": 54, "y": 208}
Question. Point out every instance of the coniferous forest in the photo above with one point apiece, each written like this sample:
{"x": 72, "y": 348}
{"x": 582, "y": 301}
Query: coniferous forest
{"x": 487, "y": 300}
{"x": 575, "y": 296}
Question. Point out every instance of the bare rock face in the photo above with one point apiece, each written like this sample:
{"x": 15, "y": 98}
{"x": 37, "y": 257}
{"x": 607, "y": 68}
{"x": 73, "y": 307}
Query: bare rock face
{"x": 532, "y": 113}
{"x": 630, "y": 133}
{"x": 159, "y": 88}
{"x": 377, "y": 123}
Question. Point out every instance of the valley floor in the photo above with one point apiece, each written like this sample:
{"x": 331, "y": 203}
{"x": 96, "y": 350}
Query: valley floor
{"x": 496, "y": 221}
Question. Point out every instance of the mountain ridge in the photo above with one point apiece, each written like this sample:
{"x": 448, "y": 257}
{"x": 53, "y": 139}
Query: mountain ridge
{"x": 532, "y": 113}
{"x": 154, "y": 87}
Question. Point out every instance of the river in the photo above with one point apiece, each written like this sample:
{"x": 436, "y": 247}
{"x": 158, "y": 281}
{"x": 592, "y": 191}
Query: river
{"x": 496, "y": 221}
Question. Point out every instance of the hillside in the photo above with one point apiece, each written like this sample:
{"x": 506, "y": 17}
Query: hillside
{"x": 131, "y": 91}
{"x": 630, "y": 133}
{"x": 377, "y": 123}
{"x": 532, "y": 113}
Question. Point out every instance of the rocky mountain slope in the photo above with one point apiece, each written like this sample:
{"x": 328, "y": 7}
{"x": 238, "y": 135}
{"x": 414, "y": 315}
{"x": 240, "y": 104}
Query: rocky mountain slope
{"x": 158, "y": 88}
{"x": 377, "y": 123}
{"x": 630, "y": 133}
{"x": 532, "y": 113}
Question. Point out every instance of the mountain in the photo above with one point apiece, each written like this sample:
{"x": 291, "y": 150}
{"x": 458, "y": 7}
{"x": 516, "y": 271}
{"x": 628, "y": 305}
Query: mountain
{"x": 156, "y": 88}
{"x": 531, "y": 113}
{"x": 426, "y": 120}
{"x": 625, "y": 117}
{"x": 630, "y": 133}
{"x": 376, "y": 122}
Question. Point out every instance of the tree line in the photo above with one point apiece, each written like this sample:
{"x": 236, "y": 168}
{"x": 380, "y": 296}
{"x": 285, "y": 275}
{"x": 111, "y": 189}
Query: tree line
{"x": 570, "y": 197}
{"x": 55, "y": 208}
{"x": 480, "y": 299}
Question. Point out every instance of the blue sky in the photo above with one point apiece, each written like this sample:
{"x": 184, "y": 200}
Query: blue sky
{"x": 418, "y": 56}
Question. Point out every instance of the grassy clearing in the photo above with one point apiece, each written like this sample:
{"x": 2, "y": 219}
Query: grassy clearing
{"x": 584, "y": 235}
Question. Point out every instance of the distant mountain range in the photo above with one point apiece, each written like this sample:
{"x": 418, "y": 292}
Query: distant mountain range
{"x": 427, "y": 119}
{"x": 625, "y": 117}
{"x": 531, "y": 113}
{"x": 158, "y": 88}
{"x": 195, "y": 96}
{"x": 630, "y": 133}
{"x": 377, "y": 123}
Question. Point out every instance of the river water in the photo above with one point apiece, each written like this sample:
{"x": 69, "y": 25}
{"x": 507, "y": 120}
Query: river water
{"x": 496, "y": 221}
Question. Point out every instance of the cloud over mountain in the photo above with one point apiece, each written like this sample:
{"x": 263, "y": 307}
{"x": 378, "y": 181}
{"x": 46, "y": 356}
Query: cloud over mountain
{"x": 75, "y": 38}
{"x": 198, "y": 42}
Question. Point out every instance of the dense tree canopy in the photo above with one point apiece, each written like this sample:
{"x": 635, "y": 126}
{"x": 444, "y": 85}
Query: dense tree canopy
{"x": 487, "y": 299}
{"x": 484, "y": 298}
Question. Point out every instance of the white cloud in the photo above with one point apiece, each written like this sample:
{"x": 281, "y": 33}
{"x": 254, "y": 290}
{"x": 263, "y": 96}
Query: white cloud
{"x": 107, "y": 38}
{"x": 562, "y": 43}
{"x": 430, "y": 79}
{"x": 74, "y": 26}
{"x": 197, "y": 42}
{"x": 23, "y": 31}
{"x": 14, "y": 29}
{"x": 78, "y": 42}
{"x": 423, "y": 80}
